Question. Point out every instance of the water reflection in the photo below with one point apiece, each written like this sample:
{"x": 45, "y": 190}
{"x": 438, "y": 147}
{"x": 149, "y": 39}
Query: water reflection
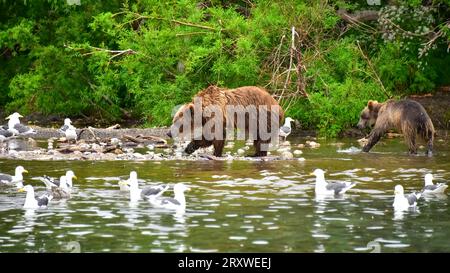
{"x": 236, "y": 206}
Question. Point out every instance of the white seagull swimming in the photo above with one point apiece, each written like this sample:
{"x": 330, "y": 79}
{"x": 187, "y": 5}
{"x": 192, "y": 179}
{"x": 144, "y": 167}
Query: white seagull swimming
{"x": 431, "y": 188}
{"x": 59, "y": 189}
{"x": 149, "y": 193}
{"x": 31, "y": 202}
{"x": 178, "y": 202}
{"x": 16, "y": 179}
{"x": 16, "y": 128}
{"x": 124, "y": 185}
{"x": 285, "y": 130}
{"x": 51, "y": 182}
{"x": 332, "y": 188}
{"x": 402, "y": 202}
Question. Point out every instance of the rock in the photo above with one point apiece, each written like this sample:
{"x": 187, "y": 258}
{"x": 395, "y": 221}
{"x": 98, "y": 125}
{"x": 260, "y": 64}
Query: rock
{"x": 240, "y": 151}
{"x": 301, "y": 146}
{"x": 138, "y": 155}
{"x": 115, "y": 141}
{"x": 313, "y": 144}
{"x": 287, "y": 155}
{"x": 298, "y": 152}
{"x": 301, "y": 159}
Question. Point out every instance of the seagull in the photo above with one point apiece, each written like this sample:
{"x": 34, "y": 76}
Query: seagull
{"x": 31, "y": 202}
{"x": 63, "y": 191}
{"x": 178, "y": 202}
{"x": 123, "y": 185}
{"x": 430, "y": 188}
{"x": 332, "y": 188}
{"x": 67, "y": 124}
{"x": 148, "y": 193}
{"x": 4, "y": 133}
{"x": 51, "y": 182}
{"x": 402, "y": 202}
{"x": 285, "y": 130}
{"x": 69, "y": 130}
{"x": 15, "y": 127}
{"x": 17, "y": 179}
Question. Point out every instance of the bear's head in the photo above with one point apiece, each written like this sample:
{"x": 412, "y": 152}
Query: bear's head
{"x": 183, "y": 121}
{"x": 369, "y": 114}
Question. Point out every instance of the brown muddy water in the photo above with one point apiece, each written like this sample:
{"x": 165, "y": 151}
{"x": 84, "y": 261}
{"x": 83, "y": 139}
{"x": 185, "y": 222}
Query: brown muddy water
{"x": 238, "y": 205}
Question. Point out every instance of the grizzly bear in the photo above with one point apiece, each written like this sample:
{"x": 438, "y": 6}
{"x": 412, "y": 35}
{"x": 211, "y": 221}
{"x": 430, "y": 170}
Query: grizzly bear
{"x": 406, "y": 116}
{"x": 216, "y": 113}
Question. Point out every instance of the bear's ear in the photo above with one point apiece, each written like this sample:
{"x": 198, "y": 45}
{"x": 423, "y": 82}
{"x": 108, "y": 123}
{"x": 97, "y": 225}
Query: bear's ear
{"x": 371, "y": 104}
{"x": 191, "y": 108}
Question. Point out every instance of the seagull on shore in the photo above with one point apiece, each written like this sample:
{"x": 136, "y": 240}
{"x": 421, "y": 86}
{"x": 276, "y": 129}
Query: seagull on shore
{"x": 16, "y": 128}
{"x": 285, "y": 130}
{"x": 4, "y": 134}
{"x": 68, "y": 130}
{"x": 431, "y": 188}
{"x": 178, "y": 202}
{"x": 404, "y": 202}
{"x": 136, "y": 193}
{"x": 16, "y": 179}
{"x": 32, "y": 202}
{"x": 331, "y": 188}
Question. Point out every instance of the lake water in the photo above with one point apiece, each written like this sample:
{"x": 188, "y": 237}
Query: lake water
{"x": 238, "y": 206}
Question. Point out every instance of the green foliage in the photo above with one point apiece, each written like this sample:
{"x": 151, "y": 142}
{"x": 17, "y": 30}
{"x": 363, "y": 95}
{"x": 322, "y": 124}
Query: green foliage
{"x": 114, "y": 58}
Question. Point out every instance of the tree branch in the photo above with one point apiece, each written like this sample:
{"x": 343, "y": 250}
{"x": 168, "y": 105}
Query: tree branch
{"x": 115, "y": 53}
{"x": 358, "y": 16}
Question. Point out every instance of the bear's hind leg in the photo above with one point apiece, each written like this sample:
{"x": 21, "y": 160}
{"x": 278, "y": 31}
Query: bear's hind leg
{"x": 218, "y": 147}
{"x": 258, "y": 151}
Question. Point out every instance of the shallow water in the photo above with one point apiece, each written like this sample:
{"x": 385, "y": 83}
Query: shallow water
{"x": 238, "y": 206}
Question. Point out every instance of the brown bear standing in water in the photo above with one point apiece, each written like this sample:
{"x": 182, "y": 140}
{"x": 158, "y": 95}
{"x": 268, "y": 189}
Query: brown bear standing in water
{"x": 243, "y": 99}
{"x": 407, "y": 116}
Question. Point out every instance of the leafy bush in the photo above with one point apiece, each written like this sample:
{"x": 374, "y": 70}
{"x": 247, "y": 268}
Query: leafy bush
{"x": 115, "y": 59}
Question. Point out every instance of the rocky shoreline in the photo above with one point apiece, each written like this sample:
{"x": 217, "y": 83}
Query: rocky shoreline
{"x": 120, "y": 144}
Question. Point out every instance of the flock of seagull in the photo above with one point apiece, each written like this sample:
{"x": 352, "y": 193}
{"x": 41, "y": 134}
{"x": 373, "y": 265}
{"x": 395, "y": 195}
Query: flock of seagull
{"x": 14, "y": 127}
{"x": 402, "y": 202}
{"x": 61, "y": 188}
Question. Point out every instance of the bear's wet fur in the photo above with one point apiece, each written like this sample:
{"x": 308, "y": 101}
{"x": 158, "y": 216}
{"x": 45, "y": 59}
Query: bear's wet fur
{"x": 407, "y": 116}
{"x": 222, "y": 97}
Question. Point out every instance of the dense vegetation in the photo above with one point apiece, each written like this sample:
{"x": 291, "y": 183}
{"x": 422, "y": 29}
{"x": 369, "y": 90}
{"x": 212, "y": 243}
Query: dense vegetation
{"x": 118, "y": 59}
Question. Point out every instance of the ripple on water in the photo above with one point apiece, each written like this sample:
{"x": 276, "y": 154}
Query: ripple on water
{"x": 254, "y": 216}
{"x": 260, "y": 242}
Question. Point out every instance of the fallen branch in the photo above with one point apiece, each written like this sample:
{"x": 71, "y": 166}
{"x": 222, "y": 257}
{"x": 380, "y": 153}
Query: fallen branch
{"x": 147, "y": 140}
{"x": 358, "y": 16}
{"x": 93, "y": 134}
{"x": 115, "y": 126}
